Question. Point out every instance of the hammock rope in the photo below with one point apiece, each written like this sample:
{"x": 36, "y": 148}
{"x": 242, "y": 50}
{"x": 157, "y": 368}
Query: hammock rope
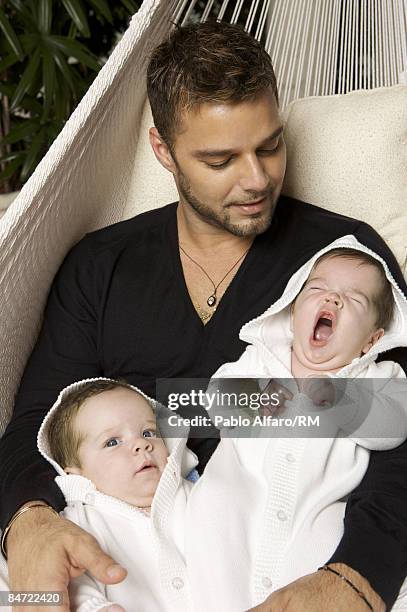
{"x": 334, "y": 46}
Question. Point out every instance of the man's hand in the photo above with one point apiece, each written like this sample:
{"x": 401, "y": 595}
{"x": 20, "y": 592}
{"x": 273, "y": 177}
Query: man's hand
{"x": 323, "y": 591}
{"x": 45, "y": 552}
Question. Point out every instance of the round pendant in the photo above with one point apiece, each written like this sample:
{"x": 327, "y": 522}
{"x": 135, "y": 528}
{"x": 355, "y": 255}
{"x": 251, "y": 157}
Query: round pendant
{"x": 211, "y": 301}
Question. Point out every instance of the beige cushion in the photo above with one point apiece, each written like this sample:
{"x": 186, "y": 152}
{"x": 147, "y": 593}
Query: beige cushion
{"x": 348, "y": 153}
{"x": 150, "y": 185}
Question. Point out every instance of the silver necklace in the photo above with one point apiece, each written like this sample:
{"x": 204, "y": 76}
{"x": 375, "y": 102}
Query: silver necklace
{"x": 212, "y": 299}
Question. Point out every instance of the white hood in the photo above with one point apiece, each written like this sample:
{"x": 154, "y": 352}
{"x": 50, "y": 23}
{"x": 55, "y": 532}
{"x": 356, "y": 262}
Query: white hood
{"x": 174, "y": 445}
{"x": 272, "y": 328}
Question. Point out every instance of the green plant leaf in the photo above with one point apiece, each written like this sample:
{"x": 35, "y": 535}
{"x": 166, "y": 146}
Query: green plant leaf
{"x": 103, "y": 8}
{"x": 6, "y": 89}
{"x": 27, "y": 79}
{"x": 11, "y": 168}
{"x": 78, "y": 16}
{"x": 73, "y": 48}
{"x": 30, "y": 41}
{"x": 64, "y": 69}
{"x": 8, "y": 61}
{"x": 49, "y": 80}
{"x": 23, "y": 130}
{"x": 11, "y": 156}
{"x": 34, "y": 152}
{"x": 44, "y": 15}
{"x": 73, "y": 30}
{"x": 130, "y": 6}
{"x": 28, "y": 17}
{"x": 29, "y": 103}
{"x": 10, "y": 35}
{"x": 53, "y": 130}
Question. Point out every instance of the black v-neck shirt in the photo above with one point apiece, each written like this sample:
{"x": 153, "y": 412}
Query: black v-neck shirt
{"x": 119, "y": 307}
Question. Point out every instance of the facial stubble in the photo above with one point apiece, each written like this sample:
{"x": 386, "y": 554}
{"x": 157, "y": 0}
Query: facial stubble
{"x": 257, "y": 224}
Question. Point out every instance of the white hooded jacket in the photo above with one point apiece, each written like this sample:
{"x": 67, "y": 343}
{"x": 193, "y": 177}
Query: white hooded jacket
{"x": 277, "y": 503}
{"x": 150, "y": 547}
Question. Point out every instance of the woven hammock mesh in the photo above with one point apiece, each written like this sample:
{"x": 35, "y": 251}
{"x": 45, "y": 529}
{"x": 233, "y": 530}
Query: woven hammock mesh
{"x": 319, "y": 47}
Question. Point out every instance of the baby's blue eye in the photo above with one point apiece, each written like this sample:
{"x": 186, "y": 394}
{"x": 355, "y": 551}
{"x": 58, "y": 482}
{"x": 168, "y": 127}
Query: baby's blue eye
{"x": 149, "y": 433}
{"x": 112, "y": 442}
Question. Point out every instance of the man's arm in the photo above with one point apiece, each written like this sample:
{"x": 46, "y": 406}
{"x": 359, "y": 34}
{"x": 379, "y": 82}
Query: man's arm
{"x": 375, "y": 537}
{"x": 69, "y": 551}
{"x": 65, "y": 351}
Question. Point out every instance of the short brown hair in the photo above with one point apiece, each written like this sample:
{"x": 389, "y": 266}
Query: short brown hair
{"x": 64, "y": 439}
{"x": 205, "y": 62}
{"x": 383, "y": 302}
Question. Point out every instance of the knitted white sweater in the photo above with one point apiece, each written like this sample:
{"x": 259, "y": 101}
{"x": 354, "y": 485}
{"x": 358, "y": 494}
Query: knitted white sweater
{"x": 269, "y": 509}
{"x": 149, "y": 547}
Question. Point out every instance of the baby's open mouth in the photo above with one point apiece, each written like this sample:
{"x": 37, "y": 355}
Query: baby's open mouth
{"x": 323, "y": 328}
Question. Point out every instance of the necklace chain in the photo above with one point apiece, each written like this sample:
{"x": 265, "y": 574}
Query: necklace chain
{"x": 212, "y": 299}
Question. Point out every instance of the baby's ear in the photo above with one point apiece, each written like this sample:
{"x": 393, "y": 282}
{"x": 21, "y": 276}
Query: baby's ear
{"x": 73, "y": 470}
{"x": 379, "y": 333}
{"x": 292, "y": 306}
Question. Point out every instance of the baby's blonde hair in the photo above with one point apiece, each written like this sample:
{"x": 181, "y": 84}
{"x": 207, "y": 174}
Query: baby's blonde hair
{"x": 64, "y": 439}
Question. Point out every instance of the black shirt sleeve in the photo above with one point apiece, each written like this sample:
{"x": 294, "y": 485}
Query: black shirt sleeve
{"x": 66, "y": 351}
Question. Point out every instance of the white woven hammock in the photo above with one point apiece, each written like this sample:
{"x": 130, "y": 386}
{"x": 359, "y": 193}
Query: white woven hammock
{"x": 322, "y": 47}
{"x": 92, "y": 174}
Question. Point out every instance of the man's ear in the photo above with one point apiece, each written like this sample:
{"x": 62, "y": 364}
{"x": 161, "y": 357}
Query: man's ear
{"x": 379, "y": 333}
{"x": 73, "y": 470}
{"x": 161, "y": 150}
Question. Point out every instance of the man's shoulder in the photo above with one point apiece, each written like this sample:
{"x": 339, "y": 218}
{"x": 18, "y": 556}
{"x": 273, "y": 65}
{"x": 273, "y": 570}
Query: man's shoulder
{"x": 134, "y": 231}
{"x": 304, "y": 212}
{"x": 139, "y": 232}
{"x": 133, "y": 227}
{"x": 308, "y": 228}
{"x": 317, "y": 227}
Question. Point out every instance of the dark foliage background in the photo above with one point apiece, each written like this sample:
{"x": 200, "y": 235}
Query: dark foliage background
{"x": 50, "y": 52}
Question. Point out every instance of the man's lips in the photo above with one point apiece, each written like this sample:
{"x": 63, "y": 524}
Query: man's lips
{"x": 251, "y": 208}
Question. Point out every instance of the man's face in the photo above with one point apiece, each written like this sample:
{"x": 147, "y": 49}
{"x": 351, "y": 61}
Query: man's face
{"x": 230, "y": 162}
{"x": 120, "y": 452}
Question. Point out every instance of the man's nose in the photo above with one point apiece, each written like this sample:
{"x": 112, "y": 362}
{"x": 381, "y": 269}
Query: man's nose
{"x": 253, "y": 175}
{"x": 142, "y": 444}
{"x": 334, "y": 298}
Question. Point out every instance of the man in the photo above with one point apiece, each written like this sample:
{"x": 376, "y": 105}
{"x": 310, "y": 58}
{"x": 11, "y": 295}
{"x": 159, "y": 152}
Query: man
{"x": 165, "y": 294}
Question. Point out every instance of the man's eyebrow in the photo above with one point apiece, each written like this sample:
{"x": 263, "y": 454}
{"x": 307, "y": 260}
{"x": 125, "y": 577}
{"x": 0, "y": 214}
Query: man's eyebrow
{"x": 223, "y": 152}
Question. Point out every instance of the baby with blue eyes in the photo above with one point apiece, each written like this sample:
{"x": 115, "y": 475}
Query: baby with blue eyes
{"x": 127, "y": 487}
{"x": 109, "y": 436}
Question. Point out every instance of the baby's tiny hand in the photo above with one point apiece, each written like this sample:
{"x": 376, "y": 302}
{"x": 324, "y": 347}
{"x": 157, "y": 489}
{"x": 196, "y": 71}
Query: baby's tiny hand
{"x": 113, "y": 608}
{"x": 321, "y": 391}
{"x": 276, "y": 391}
